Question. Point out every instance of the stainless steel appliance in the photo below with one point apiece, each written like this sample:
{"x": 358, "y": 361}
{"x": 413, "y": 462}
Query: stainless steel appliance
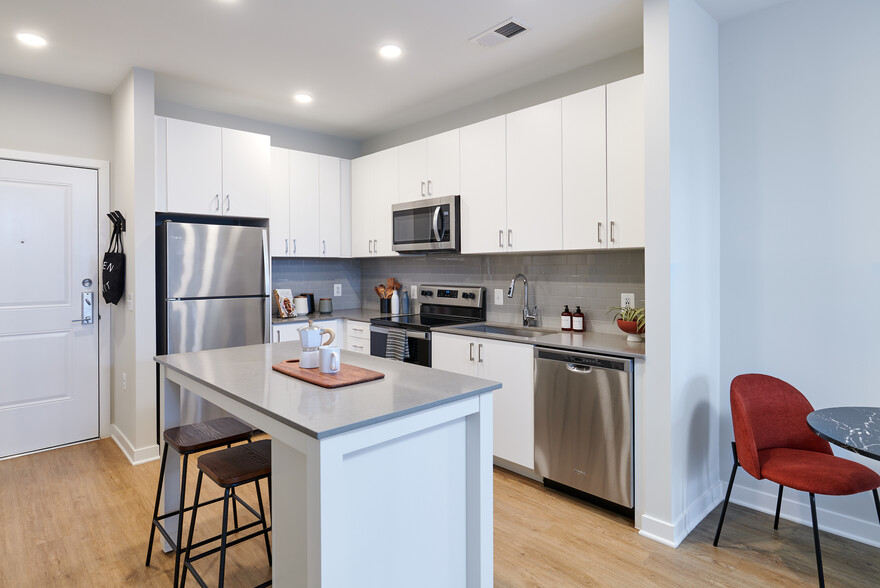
{"x": 441, "y": 306}
{"x": 212, "y": 292}
{"x": 430, "y": 224}
{"x": 584, "y": 423}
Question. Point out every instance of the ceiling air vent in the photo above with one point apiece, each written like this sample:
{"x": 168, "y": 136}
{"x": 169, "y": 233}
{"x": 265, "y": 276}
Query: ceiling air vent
{"x": 499, "y": 33}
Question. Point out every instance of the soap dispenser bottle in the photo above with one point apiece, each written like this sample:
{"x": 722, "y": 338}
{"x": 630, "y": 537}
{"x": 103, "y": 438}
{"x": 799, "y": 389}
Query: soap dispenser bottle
{"x": 577, "y": 321}
{"x": 566, "y": 319}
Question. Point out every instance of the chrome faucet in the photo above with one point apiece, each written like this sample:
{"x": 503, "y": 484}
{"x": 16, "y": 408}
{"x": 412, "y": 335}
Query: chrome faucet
{"x": 528, "y": 319}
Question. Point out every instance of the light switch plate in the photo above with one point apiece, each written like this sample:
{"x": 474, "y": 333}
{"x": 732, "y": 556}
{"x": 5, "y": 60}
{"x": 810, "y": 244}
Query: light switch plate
{"x": 628, "y": 300}
{"x": 413, "y": 291}
{"x": 499, "y": 297}
{"x": 129, "y": 301}
{"x": 337, "y": 289}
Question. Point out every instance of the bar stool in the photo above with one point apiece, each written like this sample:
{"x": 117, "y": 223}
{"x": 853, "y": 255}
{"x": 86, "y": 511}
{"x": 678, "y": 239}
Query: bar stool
{"x": 188, "y": 439}
{"x": 230, "y": 468}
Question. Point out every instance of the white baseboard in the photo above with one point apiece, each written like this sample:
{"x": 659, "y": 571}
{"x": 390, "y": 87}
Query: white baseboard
{"x": 135, "y": 456}
{"x": 796, "y": 508}
{"x": 673, "y": 534}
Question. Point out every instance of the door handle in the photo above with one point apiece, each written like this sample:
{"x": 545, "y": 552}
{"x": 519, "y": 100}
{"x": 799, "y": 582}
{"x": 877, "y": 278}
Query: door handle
{"x": 612, "y": 231}
{"x": 87, "y": 312}
{"x": 217, "y": 202}
{"x": 510, "y": 237}
{"x": 435, "y": 226}
{"x": 480, "y": 353}
{"x": 501, "y": 238}
{"x": 294, "y": 246}
{"x": 423, "y": 189}
{"x": 429, "y": 187}
{"x": 370, "y": 245}
{"x": 287, "y": 246}
{"x": 325, "y": 247}
{"x": 227, "y": 203}
{"x": 472, "y": 351}
{"x": 599, "y": 231}
{"x": 579, "y": 369}
{"x": 375, "y": 245}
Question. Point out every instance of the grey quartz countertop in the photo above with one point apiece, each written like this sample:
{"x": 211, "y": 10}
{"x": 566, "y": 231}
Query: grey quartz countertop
{"x": 610, "y": 344}
{"x": 246, "y": 374}
{"x": 355, "y": 314}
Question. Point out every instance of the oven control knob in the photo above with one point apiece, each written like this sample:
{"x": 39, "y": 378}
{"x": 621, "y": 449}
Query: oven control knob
{"x": 468, "y": 295}
{"x": 427, "y": 293}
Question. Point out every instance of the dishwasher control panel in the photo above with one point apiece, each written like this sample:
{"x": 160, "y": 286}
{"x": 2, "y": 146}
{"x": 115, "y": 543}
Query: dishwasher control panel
{"x": 607, "y": 363}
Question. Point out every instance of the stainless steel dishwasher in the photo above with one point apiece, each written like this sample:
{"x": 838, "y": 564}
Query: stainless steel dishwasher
{"x": 584, "y": 423}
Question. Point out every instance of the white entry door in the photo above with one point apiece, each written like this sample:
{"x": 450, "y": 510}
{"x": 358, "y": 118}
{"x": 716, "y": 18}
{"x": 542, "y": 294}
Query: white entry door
{"x": 48, "y": 259}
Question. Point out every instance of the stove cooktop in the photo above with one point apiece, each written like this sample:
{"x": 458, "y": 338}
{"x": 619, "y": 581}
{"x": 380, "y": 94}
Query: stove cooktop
{"x": 421, "y": 322}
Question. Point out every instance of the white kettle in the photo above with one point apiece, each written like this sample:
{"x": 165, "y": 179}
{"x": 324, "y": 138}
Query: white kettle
{"x": 310, "y": 337}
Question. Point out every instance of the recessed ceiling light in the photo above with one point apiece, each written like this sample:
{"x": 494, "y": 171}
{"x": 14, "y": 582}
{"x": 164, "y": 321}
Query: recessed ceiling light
{"x": 302, "y": 98}
{"x": 390, "y": 51}
{"x": 31, "y": 39}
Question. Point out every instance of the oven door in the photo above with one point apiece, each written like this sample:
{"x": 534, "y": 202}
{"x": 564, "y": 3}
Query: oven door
{"x": 426, "y": 225}
{"x": 418, "y": 344}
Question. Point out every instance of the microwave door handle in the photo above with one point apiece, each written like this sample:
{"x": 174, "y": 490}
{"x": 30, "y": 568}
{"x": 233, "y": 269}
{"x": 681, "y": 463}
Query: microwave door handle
{"x": 436, "y": 227}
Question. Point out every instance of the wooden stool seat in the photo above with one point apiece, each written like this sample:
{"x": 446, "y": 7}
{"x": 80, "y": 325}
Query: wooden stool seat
{"x": 238, "y": 465}
{"x": 207, "y": 435}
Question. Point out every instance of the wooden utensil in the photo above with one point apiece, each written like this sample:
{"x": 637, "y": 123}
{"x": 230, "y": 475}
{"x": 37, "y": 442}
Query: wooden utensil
{"x": 380, "y": 290}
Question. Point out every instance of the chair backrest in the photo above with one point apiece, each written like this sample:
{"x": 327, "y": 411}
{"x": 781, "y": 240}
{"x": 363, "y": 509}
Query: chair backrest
{"x": 768, "y": 412}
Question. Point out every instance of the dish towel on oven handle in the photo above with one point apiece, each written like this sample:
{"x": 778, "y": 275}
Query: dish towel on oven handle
{"x": 397, "y": 345}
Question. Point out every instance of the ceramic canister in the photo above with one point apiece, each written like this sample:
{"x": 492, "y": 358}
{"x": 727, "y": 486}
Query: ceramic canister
{"x": 301, "y": 305}
{"x": 325, "y": 305}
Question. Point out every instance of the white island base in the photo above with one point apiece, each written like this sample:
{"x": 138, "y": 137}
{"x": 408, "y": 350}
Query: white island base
{"x": 402, "y": 501}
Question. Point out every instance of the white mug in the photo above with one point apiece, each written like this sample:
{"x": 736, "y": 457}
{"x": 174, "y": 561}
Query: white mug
{"x": 330, "y": 359}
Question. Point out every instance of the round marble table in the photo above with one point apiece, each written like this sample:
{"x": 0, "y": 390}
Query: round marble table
{"x": 856, "y": 428}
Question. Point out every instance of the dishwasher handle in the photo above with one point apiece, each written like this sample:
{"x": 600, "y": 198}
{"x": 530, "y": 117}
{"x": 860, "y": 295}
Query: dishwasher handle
{"x": 579, "y": 369}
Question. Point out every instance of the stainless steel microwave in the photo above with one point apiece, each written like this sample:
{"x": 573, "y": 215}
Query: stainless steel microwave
{"x": 430, "y": 224}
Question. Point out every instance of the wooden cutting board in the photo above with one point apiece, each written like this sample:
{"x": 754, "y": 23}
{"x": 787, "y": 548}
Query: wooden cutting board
{"x": 346, "y": 376}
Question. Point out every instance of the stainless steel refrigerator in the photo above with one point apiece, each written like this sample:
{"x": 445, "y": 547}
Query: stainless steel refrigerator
{"x": 212, "y": 292}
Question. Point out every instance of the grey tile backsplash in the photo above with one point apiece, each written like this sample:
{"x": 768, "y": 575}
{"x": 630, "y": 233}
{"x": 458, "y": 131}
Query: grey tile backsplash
{"x": 594, "y": 280}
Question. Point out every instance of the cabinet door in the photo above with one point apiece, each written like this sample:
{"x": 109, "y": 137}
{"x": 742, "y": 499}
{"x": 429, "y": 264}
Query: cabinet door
{"x": 534, "y": 178}
{"x": 453, "y": 353}
{"x": 584, "y": 215}
{"x": 279, "y": 216}
{"x": 512, "y": 364}
{"x": 413, "y": 172}
{"x": 384, "y": 195}
{"x": 345, "y": 208}
{"x": 246, "y": 173}
{"x": 484, "y": 187}
{"x": 357, "y": 336}
{"x": 329, "y": 185}
{"x": 194, "y": 177}
{"x": 304, "y": 204}
{"x": 443, "y": 164}
{"x": 361, "y": 211}
{"x": 282, "y": 333}
{"x": 626, "y": 162}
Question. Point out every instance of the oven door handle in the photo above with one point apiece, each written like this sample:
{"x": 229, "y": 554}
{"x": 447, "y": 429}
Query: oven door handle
{"x": 426, "y": 335}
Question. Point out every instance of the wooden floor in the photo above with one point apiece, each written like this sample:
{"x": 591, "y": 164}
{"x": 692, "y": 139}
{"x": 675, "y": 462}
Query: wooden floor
{"x": 79, "y": 516}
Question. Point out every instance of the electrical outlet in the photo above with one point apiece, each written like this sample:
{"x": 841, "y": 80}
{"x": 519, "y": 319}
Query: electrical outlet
{"x": 413, "y": 291}
{"x": 499, "y": 297}
{"x": 129, "y": 301}
{"x": 337, "y": 289}
{"x": 123, "y": 380}
{"x": 628, "y": 300}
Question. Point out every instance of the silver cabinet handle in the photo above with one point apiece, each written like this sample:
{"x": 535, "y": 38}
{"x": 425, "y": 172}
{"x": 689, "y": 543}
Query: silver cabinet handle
{"x": 370, "y": 245}
{"x": 599, "y": 232}
{"x": 217, "y": 202}
{"x": 287, "y": 246}
{"x": 227, "y": 203}
{"x": 324, "y": 250}
{"x": 353, "y": 346}
{"x": 510, "y": 237}
{"x": 472, "y": 351}
{"x": 429, "y": 187}
{"x": 294, "y": 246}
{"x": 480, "y": 353}
{"x": 86, "y": 311}
{"x": 501, "y": 238}
{"x": 423, "y": 189}
{"x": 358, "y": 330}
{"x": 612, "y": 231}
{"x": 375, "y": 245}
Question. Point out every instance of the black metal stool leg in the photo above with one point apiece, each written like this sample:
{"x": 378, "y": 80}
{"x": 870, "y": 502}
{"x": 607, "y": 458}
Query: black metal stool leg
{"x": 234, "y": 501}
{"x": 156, "y": 506}
{"x": 816, "y": 539}
{"x": 778, "y": 505}
{"x": 263, "y": 520}
{"x": 226, "y": 494}
{"x": 727, "y": 496}
{"x": 877, "y": 502}
{"x": 192, "y": 526}
{"x": 178, "y": 549}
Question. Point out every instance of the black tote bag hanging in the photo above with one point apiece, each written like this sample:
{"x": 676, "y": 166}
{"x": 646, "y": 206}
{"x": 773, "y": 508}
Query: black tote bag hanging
{"x": 113, "y": 269}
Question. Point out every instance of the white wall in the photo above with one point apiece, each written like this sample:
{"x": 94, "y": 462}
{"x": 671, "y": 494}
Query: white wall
{"x": 800, "y": 248}
{"x": 45, "y": 118}
{"x": 682, "y": 253}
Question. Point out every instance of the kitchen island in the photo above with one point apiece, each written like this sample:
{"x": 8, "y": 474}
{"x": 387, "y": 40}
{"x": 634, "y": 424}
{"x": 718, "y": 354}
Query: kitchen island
{"x": 384, "y": 483}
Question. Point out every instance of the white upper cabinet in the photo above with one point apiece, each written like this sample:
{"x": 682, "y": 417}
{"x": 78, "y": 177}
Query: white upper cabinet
{"x": 534, "y": 178}
{"x": 484, "y": 187}
{"x": 584, "y": 209}
{"x": 279, "y": 216}
{"x": 429, "y": 167}
{"x": 374, "y": 188}
{"x": 304, "y": 204}
{"x": 626, "y": 162}
{"x": 216, "y": 171}
{"x": 329, "y": 188}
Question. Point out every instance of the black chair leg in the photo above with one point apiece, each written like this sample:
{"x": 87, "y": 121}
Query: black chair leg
{"x": 727, "y": 496}
{"x": 816, "y": 539}
{"x": 192, "y": 526}
{"x": 226, "y": 494}
{"x": 263, "y": 519}
{"x": 156, "y": 506}
{"x": 778, "y": 506}
{"x": 877, "y": 502}
{"x": 178, "y": 549}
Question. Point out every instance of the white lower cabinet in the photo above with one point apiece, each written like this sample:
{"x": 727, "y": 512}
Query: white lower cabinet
{"x": 288, "y": 331}
{"x": 512, "y": 364}
{"x": 357, "y": 336}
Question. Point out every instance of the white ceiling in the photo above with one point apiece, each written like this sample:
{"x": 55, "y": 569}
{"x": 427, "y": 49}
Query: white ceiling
{"x": 248, "y": 57}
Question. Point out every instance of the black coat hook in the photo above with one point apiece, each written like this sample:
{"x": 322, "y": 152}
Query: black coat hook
{"x": 118, "y": 220}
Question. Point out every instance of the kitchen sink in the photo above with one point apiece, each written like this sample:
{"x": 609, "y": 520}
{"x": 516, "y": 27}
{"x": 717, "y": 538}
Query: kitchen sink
{"x": 507, "y": 330}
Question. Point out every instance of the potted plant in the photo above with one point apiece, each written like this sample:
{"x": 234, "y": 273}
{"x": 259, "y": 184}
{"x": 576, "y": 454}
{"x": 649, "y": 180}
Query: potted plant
{"x": 630, "y": 320}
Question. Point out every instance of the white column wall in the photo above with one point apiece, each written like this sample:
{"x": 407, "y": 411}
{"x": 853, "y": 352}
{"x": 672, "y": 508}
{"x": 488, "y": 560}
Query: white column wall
{"x": 800, "y": 249}
{"x": 682, "y": 256}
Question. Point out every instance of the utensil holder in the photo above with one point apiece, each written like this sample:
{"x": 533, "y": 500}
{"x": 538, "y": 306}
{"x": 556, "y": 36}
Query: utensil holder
{"x": 385, "y": 305}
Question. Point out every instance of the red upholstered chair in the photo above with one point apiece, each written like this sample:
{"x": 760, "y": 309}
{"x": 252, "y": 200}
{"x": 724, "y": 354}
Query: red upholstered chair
{"x": 773, "y": 441}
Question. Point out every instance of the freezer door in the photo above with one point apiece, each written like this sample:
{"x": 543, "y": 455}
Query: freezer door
{"x": 215, "y": 260}
{"x": 214, "y": 323}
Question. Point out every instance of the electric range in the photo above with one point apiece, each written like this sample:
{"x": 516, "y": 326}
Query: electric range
{"x": 441, "y": 306}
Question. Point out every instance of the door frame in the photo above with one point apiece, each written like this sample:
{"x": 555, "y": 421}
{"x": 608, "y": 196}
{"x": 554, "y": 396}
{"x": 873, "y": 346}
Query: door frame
{"x": 105, "y": 324}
